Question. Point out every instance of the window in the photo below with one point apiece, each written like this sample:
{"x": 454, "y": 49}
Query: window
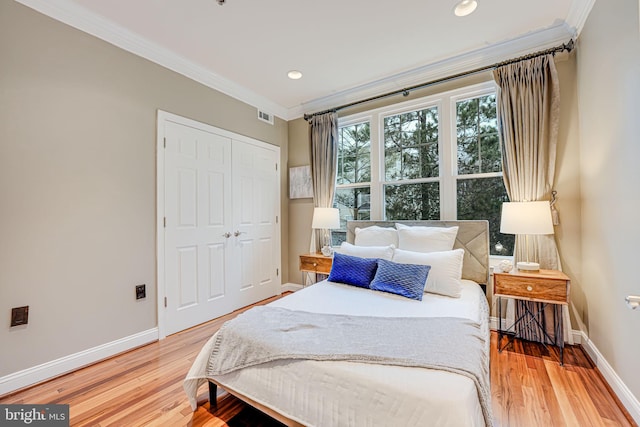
{"x": 411, "y": 172}
{"x": 479, "y": 186}
{"x": 353, "y": 176}
{"x": 434, "y": 158}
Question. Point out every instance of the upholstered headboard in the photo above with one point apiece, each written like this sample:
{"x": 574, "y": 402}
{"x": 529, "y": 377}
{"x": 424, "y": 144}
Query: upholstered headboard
{"x": 473, "y": 237}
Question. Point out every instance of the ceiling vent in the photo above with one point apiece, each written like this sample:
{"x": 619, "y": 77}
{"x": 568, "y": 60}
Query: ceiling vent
{"x": 265, "y": 117}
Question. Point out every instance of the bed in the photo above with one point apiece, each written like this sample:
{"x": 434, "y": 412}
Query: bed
{"x": 343, "y": 391}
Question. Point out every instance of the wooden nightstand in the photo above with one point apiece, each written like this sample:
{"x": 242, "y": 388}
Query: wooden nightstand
{"x": 544, "y": 286}
{"x": 315, "y": 263}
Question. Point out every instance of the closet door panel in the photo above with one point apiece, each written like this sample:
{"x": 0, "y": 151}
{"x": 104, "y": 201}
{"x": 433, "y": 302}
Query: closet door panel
{"x": 197, "y": 211}
{"x": 255, "y": 176}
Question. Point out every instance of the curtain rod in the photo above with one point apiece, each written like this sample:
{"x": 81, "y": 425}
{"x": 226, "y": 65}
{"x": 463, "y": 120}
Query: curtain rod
{"x": 405, "y": 92}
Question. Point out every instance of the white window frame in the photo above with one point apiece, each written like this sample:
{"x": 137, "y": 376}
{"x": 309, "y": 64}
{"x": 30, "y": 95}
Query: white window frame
{"x": 354, "y": 120}
{"x": 475, "y": 91}
{"x": 405, "y": 107}
{"x": 447, "y": 146}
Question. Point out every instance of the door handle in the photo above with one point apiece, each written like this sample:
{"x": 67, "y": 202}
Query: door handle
{"x": 226, "y": 235}
{"x": 238, "y": 232}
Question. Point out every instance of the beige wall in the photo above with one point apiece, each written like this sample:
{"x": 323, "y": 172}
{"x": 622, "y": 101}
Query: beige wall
{"x": 608, "y": 93}
{"x": 567, "y": 184}
{"x": 300, "y": 210}
{"x": 77, "y": 183}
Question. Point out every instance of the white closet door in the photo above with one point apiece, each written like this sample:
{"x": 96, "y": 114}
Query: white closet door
{"x": 255, "y": 210}
{"x": 198, "y": 211}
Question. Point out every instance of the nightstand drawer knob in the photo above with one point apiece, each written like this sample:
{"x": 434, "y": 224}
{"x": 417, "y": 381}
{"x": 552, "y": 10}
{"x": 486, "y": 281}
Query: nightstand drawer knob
{"x": 529, "y": 288}
{"x": 315, "y": 264}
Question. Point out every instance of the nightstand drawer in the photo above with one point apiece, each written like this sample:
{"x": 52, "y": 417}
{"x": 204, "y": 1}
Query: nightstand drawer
{"x": 539, "y": 288}
{"x": 315, "y": 264}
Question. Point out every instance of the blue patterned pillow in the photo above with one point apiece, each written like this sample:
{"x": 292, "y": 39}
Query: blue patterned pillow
{"x": 352, "y": 270}
{"x": 407, "y": 280}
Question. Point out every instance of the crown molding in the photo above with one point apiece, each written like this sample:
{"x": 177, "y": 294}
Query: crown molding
{"x": 497, "y": 52}
{"x": 578, "y": 13}
{"x": 84, "y": 20}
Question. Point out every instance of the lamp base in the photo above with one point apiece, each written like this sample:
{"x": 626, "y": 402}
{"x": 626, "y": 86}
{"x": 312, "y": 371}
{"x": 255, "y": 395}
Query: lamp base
{"x": 528, "y": 266}
{"x": 327, "y": 250}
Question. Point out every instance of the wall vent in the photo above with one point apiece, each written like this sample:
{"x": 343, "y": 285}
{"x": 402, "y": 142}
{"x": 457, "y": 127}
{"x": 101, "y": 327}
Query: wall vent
{"x": 265, "y": 117}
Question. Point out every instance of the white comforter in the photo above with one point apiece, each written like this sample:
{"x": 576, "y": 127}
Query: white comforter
{"x": 356, "y": 394}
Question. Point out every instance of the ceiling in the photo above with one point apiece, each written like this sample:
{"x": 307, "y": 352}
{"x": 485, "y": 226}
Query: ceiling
{"x": 346, "y": 49}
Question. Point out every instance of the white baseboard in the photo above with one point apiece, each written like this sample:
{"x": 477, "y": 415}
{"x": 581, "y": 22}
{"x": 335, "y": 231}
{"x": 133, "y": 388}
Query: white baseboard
{"x": 629, "y": 401}
{"x": 63, "y": 365}
{"x": 291, "y": 287}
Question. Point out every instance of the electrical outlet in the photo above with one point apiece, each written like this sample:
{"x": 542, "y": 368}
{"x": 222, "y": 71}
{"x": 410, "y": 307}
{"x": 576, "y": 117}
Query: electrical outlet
{"x": 141, "y": 291}
{"x": 19, "y": 316}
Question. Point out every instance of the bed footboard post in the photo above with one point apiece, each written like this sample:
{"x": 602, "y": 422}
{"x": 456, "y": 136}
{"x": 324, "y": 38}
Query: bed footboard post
{"x": 213, "y": 396}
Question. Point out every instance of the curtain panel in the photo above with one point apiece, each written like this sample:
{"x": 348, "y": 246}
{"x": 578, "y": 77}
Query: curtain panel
{"x": 324, "y": 159}
{"x": 528, "y": 103}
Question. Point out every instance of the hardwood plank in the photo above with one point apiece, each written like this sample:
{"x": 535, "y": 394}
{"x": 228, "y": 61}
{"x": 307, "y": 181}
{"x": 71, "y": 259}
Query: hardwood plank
{"x": 144, "y": 387}
{"x": 562, "y": 391}
{"x": 571, "y": 395}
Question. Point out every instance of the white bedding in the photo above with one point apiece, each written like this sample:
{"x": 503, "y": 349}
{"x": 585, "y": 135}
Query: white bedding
{"x": 356, "y": 394}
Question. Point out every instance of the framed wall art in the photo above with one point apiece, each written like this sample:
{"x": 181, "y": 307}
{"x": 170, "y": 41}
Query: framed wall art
{"x": 300, "y": 185}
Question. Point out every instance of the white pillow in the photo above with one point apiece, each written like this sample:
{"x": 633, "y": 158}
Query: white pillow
{"x": 384, "y": 252}
{"x": 376, "y": 236}
{"x": 446, "y": 269}
{"x": 426, "y": 239}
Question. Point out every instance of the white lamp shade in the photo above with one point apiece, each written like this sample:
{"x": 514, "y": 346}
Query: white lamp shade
{"x": 526, "y": 218}
{"x": 326, "y": 218}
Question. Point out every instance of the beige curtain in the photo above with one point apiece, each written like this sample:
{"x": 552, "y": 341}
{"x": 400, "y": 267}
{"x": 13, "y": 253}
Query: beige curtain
{"x": 528, "y": 104}
{"x": 324, "y": 159}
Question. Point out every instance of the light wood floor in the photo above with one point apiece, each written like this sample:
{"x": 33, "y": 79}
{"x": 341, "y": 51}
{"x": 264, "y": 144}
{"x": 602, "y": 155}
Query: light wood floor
{"x": 144, "y": 387}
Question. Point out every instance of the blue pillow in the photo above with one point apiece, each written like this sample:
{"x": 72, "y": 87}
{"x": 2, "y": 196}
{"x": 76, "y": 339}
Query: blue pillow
{"x": 352, "y": 270}
{"x": 407, "y": 280}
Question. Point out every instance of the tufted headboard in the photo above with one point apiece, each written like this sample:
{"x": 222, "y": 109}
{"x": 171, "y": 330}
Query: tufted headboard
{"x": 473, "y": 237}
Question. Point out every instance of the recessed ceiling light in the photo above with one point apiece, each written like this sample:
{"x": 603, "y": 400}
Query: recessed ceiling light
{"x": 294, "y": 74}
{"x": 465, "y": 7}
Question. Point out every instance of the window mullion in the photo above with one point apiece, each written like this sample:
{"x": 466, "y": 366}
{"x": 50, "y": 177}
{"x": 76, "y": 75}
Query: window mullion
{"x": 377, "y": 167}
{"x": 448, "y": 155}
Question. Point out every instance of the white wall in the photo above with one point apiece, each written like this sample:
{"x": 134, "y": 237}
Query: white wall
{"x": 609, "y": 99}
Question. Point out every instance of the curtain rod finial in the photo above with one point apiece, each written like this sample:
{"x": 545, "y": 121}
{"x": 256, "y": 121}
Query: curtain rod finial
{"x": 569, "y": 45}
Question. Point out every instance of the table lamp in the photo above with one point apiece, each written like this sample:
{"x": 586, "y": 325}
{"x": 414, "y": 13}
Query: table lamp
{"x": 326, "y": 219}
{"x": 526, "y": 218}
